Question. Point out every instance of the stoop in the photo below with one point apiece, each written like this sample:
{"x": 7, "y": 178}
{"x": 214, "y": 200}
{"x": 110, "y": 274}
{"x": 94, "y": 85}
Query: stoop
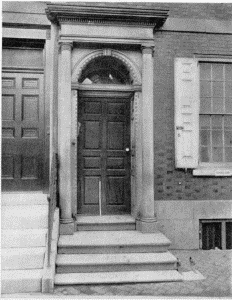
{"x": 108, "y": 249}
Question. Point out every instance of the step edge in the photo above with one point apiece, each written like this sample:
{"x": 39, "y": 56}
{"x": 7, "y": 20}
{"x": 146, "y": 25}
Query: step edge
{"x": 114, "y": 263}
{"x": 173, "y": 276}
{"x": 111, "y": 245}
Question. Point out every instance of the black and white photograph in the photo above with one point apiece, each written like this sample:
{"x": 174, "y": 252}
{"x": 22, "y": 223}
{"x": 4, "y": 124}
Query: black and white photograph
{"x": 116, "y": 149}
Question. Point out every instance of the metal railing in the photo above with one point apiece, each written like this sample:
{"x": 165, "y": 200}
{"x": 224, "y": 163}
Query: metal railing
{"x": 52, "y": 201}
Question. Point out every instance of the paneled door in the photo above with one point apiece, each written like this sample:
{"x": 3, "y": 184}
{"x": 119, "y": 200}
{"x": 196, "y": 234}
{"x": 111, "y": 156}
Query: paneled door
{"x": 104, "y": 155}
{"x": 22, "y": 131}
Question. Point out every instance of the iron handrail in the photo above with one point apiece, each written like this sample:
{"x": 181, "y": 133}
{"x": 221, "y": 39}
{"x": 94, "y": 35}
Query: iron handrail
{"x": 52, "y": 202}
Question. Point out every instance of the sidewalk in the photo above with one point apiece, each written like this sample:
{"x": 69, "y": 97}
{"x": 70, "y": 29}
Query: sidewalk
{"x": 214, "y": 265}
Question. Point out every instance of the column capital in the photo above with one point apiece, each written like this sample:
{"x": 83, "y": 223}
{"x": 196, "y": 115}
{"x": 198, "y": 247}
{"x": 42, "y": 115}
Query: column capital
{"x": 66, "y": 45}
{"x": 148, "y": 48}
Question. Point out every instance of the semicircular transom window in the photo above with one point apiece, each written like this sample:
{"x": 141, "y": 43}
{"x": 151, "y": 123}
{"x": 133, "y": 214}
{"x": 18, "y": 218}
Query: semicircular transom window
{"x": 105, "y": 70}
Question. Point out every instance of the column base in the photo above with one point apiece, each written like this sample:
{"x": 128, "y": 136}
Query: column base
{"x": 147, "y": 225}
{"x": 66, "y": 228}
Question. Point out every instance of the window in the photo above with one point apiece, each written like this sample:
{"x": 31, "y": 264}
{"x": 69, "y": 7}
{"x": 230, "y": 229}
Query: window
{"x": 105, "y": 70}
{"x": 215, "y": 234}
{"x": 203, "y": 116}
{"x": 215, "y": 113}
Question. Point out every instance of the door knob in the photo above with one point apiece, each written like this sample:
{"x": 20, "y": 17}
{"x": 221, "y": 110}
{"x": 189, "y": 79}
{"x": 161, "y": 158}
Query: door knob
{"x": 127, "y": 149}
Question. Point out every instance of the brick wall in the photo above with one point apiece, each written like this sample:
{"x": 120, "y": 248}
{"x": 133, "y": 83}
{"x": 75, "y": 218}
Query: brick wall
{"x": 171, "y": 183}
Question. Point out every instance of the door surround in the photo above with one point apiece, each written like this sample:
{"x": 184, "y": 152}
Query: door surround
{"x": 143, "y": 206}
{"x": 134, "y": 89}
{"x": 130, "y": 29}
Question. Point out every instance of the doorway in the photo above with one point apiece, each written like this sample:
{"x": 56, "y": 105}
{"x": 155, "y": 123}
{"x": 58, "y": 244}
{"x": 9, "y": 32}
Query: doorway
{"x": 104, "y": 153}
{"x": 23, "y": 136}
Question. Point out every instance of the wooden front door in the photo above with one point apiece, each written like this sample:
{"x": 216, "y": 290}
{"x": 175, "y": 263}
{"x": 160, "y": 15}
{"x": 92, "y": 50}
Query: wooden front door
{"x": 104, "y": 155}
{"x": 23, "y": 146}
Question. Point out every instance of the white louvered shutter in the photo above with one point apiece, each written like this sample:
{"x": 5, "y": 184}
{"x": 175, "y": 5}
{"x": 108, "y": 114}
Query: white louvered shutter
{"x": 187, "y": 101}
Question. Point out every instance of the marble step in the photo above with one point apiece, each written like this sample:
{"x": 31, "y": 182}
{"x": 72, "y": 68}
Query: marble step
{"x": 86, "y": 242}
{"x": 24, "y": 217}
{"x": 117, "y": 277}
{"x": 25, "y": 238}
{"x": 110, "y": 222}
{"x": 33, "y": 198}
{"x": 21, "y": 281}
{"x": 22, "y": 258}
{"x": 86, "y": 263}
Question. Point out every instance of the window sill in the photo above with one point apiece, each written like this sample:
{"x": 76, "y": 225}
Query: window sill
{"x": 213, "y": 171}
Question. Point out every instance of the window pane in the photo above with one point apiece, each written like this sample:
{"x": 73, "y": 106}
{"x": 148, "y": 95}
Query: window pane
{"x": 228, "y": 72}
{"x": 228, "y": 131}
{"x": 205, "y": 106}
{"x": 211, "y": 235}
{"x": 105, "y": 70}
{"x": 228, "y": 105}
{"x": 205, "y": 137}
{"x": 218, "y": 105}
{"x": 228, "y": 138}
{"x": 217, "y": 122}
{"x": 217, "y": 154}
{"x": 217, "y": 89}
{"x": 228, "y": 235}
{"x": 205, "y": 122}
{"x": 205, "y": 71}
{"x": 205, "y": 89}
{"x": 217, "y": 137}
{"x": 228, "y": 89}
{"x": 228, "y": 153}
{"x": 217, "y": 71}
{"x": 205, "y": 154}
{"x": 228, "y": 122}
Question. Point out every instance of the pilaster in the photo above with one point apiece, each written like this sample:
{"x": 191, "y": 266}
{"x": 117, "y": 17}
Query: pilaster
{"x": 146, "y": 221}
{"x": 64, "y": 144}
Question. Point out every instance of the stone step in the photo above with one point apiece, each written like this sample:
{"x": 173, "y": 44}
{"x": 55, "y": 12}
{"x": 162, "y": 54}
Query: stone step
{"x": 86, "y": 242}
{"x": 86, "y": 263}
{"x": 34, "y": 198}
{"x": 21, "y": 281}
{"x": 106, "y": 223}
{"x": 24, "y": 217}
{"x": 117, "y": 277}
{"x": 22, "y": 258}
{"x": 25, "y": 238}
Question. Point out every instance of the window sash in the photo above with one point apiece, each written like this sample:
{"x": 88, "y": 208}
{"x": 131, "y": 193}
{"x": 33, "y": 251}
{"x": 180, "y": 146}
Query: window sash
{"x": 208, "y": 77}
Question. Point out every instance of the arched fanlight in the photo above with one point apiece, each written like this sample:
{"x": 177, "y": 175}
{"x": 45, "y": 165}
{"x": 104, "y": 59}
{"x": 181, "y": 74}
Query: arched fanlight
{"x": 105, "y": 70}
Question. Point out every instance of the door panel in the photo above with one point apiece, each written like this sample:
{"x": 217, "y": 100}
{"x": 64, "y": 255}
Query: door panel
{"x": 103, "y": 163}
{"x": 22, "y": 131}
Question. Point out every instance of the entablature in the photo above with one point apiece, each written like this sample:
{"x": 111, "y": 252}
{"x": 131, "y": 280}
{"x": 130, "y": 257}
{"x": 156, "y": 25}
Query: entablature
{"x": 106, "y": 14}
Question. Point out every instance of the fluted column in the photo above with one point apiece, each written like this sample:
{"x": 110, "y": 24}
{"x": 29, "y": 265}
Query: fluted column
{"x": 146, "y": 221}
{"x": 64, "y": 142}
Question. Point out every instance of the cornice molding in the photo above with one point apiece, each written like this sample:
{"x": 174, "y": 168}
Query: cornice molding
{"x": 136, "y": 16}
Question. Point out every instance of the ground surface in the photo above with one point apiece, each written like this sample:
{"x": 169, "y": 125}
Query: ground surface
{"x": 214, "y": 265}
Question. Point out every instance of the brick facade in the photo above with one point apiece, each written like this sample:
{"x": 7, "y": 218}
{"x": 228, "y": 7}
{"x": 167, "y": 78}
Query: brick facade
{"x": 169, "y": 182}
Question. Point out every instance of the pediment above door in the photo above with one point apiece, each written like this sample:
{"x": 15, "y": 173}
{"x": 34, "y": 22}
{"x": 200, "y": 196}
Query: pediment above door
{"x": 107, "y": 23}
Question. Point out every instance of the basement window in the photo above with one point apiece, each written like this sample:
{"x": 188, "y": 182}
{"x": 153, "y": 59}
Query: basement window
{"x": 215, "y": 234}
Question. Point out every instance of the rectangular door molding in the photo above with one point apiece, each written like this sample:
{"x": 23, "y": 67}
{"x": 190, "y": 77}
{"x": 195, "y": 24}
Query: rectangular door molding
{"x": 104, "y": 156}
{"x": 23, "y": 146}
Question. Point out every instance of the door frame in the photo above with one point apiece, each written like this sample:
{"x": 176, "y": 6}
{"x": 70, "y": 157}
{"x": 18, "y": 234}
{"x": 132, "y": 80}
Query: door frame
{"x": 110, "y": 94}
{"x": 43, "y": 45}
{"x": 94, "y": 89}
{"x": 46, "y": 146}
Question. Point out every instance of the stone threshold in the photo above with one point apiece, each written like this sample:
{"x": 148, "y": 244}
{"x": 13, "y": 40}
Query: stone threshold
{"x": 106, "y": 219}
